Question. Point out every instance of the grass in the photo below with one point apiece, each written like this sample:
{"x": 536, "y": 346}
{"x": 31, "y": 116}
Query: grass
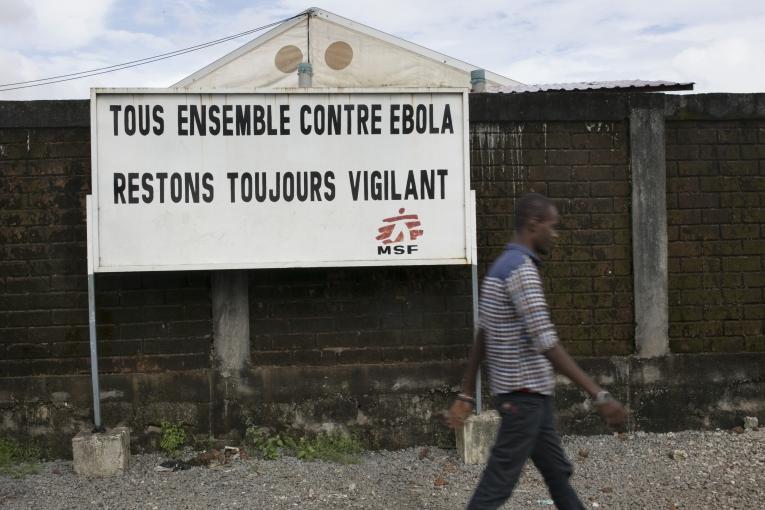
{"x": 18, "y": 460}
{"x": 338, "y": 448}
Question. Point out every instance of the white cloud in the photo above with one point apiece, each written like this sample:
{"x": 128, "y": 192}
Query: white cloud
{"x": 54, "y": 25}
{"x": 14, "y": 12}
{"x": 718, "y": 45}
{"x": 724, "y": 64}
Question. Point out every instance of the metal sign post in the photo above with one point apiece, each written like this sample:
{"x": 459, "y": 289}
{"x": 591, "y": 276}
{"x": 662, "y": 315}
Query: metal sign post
{"x": 474, "y": 281}
{"x": 92, "y": 319}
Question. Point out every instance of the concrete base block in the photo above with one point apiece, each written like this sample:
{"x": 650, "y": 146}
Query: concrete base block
{"x": 101, "y": 453}
{"x": 476, "y": 437}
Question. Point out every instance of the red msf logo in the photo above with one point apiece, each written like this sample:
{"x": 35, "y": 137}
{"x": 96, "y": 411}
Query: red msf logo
{"x": 399, "y": 229}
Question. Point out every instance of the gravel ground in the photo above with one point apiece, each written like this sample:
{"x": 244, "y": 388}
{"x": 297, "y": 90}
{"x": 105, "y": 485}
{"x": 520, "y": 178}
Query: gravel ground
{"x": 722, "y": 470}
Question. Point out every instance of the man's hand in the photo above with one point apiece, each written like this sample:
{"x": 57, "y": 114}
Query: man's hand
{"x": 458, "y": 413}
{"x": 613, "y": 411}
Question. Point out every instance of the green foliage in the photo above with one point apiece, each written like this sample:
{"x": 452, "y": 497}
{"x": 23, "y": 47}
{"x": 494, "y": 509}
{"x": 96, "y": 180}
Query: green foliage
{"x": 173, "y": 437}
{"x": 259, "y": 441}
{"x": 338, "y": 448}
{"x": 18, "y": 460}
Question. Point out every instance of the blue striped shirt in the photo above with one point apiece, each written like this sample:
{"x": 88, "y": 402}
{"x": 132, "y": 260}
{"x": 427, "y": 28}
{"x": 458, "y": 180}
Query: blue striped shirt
{"x": 516, "y": 323}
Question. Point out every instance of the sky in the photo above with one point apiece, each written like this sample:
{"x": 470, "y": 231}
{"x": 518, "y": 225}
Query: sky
{"x": 718, "y": 45}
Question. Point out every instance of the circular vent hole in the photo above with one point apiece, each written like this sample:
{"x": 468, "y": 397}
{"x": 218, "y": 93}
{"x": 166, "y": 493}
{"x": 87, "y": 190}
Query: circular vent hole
{"x": 338, "y": 55}
{"x": 288, "y": 58}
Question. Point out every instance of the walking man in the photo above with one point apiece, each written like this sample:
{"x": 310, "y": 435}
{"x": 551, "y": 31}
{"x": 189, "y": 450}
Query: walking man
{"x": 520, "y": 347}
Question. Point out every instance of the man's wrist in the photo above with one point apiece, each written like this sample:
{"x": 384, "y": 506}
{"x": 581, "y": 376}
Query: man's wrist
{"x": 594, "y": 391}
{"x": 601, "y": 398}
{"x": 465, "y": 397}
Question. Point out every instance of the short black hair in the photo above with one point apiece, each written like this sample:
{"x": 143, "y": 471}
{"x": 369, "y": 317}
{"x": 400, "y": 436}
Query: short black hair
{"x": 530, "y": 206}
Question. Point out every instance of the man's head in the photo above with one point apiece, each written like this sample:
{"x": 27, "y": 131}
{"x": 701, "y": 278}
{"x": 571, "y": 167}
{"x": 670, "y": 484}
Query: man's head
{"x": 535, "y": 222}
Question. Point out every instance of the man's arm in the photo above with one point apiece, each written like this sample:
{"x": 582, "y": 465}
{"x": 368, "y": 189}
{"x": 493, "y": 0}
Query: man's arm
{"x": 563, "y": 363}
{"x": 477, "y": 353}
{"x": 526, "y": 292}
{"x": 462, "y": 407}
{"x": 612, "y": 410}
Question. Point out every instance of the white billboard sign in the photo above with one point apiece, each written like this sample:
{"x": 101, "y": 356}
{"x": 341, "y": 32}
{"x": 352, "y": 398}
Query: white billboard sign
{"x": 306, "y": 178}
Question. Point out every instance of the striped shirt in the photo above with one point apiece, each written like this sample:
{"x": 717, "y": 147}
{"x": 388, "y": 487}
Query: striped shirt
{"x": 516, "y": 324}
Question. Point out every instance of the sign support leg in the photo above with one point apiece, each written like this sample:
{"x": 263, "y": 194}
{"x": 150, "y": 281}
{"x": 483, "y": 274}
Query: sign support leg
{"x": 92, "y": 322}
{"x": 474, "y": 271}
{"x": 474, "y": 282}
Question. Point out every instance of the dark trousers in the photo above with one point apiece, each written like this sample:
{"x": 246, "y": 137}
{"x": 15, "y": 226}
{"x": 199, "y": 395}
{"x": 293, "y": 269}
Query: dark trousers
{"x": 527, "y": 430}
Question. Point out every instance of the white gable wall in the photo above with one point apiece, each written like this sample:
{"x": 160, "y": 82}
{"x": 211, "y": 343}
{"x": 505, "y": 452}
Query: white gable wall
{"x": 256, "y": 68}
{"x": 376, "y": 63}
{"x": 378, "y": 60}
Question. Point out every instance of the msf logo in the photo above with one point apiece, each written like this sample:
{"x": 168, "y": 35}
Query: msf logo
{"x": 397, "y": 234}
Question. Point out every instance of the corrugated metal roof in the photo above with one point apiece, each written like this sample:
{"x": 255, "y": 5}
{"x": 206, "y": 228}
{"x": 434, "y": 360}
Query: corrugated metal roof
{"x": 636, "y": 85}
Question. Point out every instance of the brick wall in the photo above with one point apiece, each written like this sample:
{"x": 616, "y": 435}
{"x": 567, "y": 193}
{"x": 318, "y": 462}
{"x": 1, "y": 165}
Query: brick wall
{"x": 147, "y": 322}
{"x": 716, "y": 216}
{"x": 360, "y": 315}
{"x": 391, "y": 341}
{"x": 372, "y": 315}
{"x": 584, "y": 167}
{"x": 315, "y": 316}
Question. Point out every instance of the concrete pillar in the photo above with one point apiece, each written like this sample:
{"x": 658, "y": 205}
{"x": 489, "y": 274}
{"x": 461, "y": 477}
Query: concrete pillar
{"x": 231, "y": 321}
{"x": 101, "y": 453}
{"x": 476, "y": 437}
{"x": 649, "y": 231}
